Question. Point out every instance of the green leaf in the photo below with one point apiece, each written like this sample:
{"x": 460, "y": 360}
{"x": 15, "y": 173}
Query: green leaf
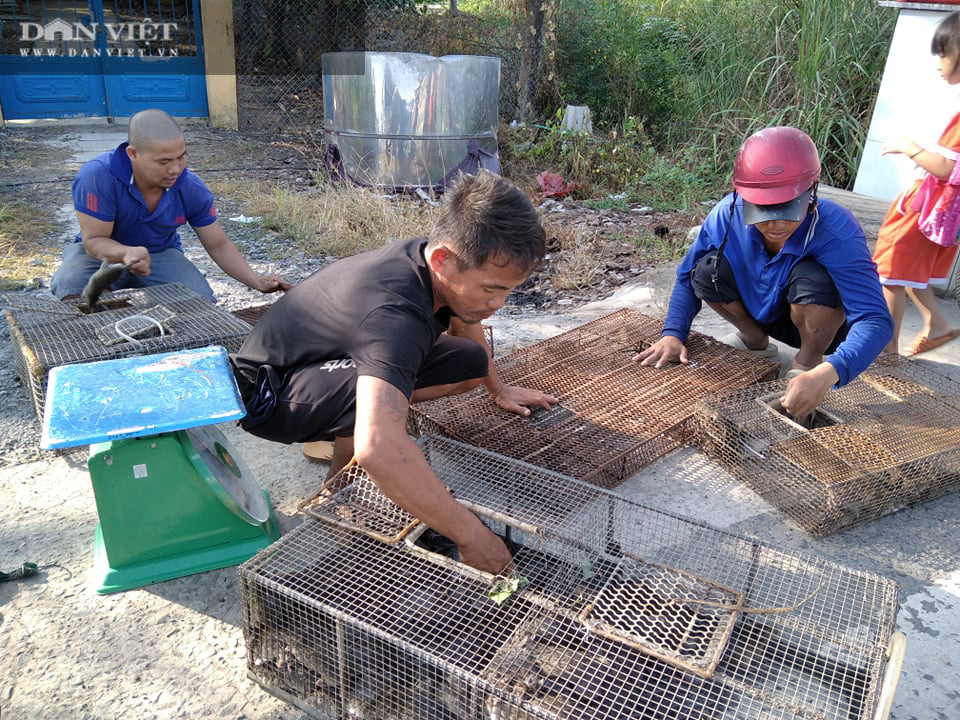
{"x": 503, "y": 589}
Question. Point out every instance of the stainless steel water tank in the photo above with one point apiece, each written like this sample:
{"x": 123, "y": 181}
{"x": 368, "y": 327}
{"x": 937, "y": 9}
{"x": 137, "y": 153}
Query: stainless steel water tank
{"x": 404, "y": 120}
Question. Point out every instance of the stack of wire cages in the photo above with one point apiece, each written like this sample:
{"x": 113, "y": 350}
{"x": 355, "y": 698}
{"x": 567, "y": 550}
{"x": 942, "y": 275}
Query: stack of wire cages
{"x": 615, "y": 611}
{"x": 46, "y": 333}
{"x": 614, "y": 416}
{"x": 884, "y": 441}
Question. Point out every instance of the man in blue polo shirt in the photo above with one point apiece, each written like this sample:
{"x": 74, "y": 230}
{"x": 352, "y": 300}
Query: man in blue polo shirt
{"x": 130, "y": 202}
{"x": 775, "y": 261}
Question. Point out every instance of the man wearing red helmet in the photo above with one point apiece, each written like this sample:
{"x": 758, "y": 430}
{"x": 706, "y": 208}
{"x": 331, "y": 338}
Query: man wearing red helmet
{"x": 775, "y": 261}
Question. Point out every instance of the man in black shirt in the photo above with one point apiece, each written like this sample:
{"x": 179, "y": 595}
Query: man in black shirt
{"x": 343, "y": 353}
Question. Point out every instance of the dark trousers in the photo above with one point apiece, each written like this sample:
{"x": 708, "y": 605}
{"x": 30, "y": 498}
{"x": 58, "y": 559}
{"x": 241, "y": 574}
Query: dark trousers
{"x": 809, "y": 284}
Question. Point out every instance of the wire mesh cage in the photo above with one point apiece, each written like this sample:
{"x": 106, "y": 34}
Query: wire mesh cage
{"x": 616, "y": 611}
{"x": 47, "y": 333}
{"x": 614, "y": 416}
{"x": 252, "y": 313}
{"x": 887, "y": 440}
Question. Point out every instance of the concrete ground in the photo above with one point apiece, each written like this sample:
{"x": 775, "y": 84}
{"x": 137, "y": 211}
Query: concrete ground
{"x": 175, "y": 649}
{"x": 918, "y": 547}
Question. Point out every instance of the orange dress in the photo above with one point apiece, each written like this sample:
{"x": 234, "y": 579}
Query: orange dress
{"x": 903, "y": 254}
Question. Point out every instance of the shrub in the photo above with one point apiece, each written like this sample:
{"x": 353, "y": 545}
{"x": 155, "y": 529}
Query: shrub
{"x": 622, "y": 60}
{"x": 621, "y": 162}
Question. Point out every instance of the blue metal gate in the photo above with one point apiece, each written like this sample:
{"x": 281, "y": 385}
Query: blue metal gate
{"x": 67, "y": 58}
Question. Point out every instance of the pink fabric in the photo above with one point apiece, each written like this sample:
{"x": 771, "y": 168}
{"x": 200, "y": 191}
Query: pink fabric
{"x": 553, "y": 185}
{"x": 939, "y": 211}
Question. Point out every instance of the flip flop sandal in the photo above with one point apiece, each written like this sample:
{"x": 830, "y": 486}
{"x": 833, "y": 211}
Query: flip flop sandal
{"x": 318, "y": 451}
{"x": 925, "y": 344}
{"x": 734, "y": 340}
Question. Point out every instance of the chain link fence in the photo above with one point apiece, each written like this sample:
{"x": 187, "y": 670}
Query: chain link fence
{"x": 279, "y": 44}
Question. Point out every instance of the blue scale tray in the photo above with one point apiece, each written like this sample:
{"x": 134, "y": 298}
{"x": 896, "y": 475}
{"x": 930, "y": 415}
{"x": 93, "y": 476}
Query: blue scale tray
{"x": 128, "y": 397}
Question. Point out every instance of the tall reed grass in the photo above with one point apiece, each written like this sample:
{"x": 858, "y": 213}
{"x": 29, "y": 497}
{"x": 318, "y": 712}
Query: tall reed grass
{"x": 719, "y": 70}
{"x": 813, "y": 64}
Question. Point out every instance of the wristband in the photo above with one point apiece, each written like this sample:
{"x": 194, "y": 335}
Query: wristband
{"x": 915, "y": 154}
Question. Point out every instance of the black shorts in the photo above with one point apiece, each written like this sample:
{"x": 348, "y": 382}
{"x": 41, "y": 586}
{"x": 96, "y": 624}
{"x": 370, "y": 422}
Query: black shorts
{"x": 809, "y": 284}
{"x": 318, "y": 401}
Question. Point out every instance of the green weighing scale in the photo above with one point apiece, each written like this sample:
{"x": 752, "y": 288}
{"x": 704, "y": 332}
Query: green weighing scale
{"x": 173, "y": 497}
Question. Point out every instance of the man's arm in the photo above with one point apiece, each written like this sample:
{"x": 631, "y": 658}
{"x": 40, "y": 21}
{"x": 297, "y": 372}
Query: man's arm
{"x": 225, "y": 254}
{"x": 681, "y": 310}
{"x": 854, "y": 274}
{"x": 848, "y": 262}
{"x": 97, "y": 241}
{"x": 511, "y": 398}
{"x": 396, "y": 465}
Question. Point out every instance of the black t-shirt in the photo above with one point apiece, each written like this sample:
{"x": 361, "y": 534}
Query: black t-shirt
{"x": 375, "y": 308}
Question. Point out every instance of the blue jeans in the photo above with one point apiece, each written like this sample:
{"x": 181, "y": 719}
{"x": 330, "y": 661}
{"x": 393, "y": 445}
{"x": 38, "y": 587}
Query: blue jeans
{"x": 167, "y": 266}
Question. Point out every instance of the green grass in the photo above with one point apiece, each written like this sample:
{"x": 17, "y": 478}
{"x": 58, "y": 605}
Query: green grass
{"x": 813, "y": 64}
{"x": 675, "y": 86}
{"x": 610, "y": 202}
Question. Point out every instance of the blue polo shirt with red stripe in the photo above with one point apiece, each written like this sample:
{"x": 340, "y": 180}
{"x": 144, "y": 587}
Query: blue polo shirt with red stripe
{"x": 104, "y": 189}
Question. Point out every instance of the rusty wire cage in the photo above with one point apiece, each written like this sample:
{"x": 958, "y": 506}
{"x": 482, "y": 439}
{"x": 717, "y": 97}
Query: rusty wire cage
{"x": 614, "y": 416}
{"x": 887, "y": 440}
{"x": 251, "y": 314}
{"x": 47, "y": 333}
{"x": 627, "y": 612}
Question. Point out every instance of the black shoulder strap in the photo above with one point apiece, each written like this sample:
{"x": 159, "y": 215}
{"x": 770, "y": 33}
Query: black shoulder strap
{"x": 723, "y": 243}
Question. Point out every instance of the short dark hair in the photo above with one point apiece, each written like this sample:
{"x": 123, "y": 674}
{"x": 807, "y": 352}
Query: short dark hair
{"x": 152, "y": 125}
{"x": 483, "y": 216}
{"x": 946, "y": 38}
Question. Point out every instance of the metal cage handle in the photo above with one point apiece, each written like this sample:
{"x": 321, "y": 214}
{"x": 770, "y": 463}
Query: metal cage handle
{"x": 896, "y": 649}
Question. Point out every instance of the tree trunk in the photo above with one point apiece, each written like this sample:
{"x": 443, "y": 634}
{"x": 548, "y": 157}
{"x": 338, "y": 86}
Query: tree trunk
{"x": 531, "y": 42}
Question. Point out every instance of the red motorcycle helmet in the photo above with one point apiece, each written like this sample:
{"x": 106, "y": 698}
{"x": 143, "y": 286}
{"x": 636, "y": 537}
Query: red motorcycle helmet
{"x": 774, "y": 172}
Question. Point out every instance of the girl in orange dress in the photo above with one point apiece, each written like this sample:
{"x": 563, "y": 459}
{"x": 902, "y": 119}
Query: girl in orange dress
{"x": 907, "y": 261}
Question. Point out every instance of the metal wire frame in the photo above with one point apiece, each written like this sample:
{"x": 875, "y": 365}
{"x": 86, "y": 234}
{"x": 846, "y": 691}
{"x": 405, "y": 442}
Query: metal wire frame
{"x": 360, "y": 506}
{"x": 614, "y": 417}
{"x": 47, "y": 333}
{"x": 252, "y": 314}
{"x": 345, "y": 625}
{"x": 887, "y": 440}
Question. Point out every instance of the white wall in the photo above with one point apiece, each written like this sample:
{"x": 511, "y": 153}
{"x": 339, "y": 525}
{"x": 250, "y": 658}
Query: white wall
{"x": 913, "y": 99}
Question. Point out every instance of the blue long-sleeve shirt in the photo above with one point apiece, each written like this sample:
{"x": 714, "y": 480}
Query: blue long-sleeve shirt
{"x": 836, "y": 241}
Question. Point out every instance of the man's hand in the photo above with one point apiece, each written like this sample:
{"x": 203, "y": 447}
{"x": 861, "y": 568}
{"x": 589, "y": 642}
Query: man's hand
{"x": 271, "y": 283}
{"x": 100, "y": 245}
{"x": 519, "y": 400}
{"x": 662, "y": 351}
{"x": 805, "y": 391}
{"x": 137, "y": 260}
{"x": 395, "y": 463}
{"x": 485, "y": 551}
{"x": 225, "y": 254}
